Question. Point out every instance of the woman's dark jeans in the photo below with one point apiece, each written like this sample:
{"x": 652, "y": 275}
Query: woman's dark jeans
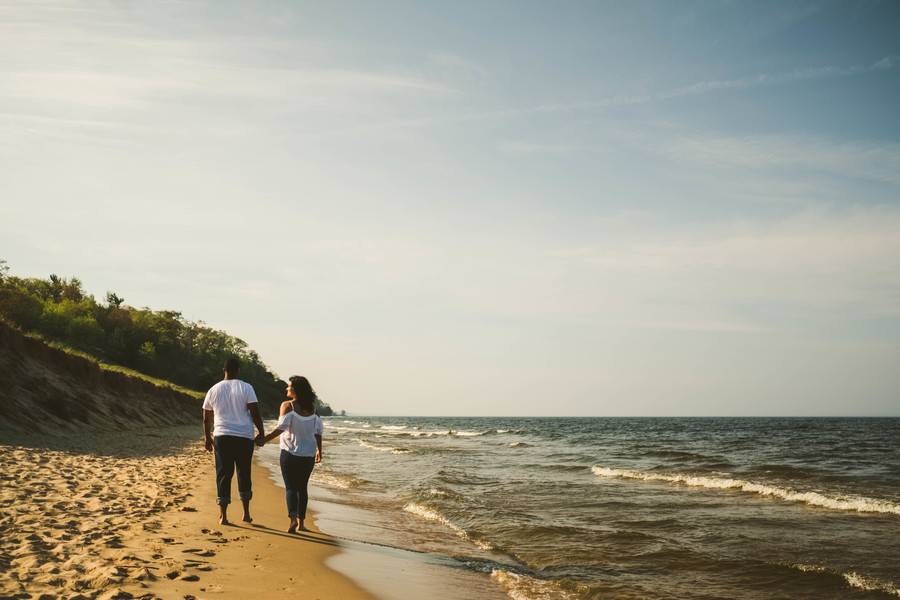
{"x": 233, "y": 451}
{"x": 296, "y": 471}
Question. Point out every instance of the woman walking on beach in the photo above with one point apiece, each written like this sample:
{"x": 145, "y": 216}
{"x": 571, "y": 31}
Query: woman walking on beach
{"x": 301, "y": 430}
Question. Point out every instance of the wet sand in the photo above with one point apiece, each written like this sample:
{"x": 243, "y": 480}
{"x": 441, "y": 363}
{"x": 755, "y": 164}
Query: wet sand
{"x": 134, "y": 516}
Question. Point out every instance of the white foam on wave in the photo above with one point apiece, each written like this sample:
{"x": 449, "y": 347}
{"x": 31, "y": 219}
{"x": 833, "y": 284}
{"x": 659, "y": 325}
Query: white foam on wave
{"x": 519, "y": 445}
{"x": 429, "y": 514}
{"x": 846, "y": 503}
{"x": 394, "y": 427}
{"x": 342, "y": 429}
{"x": 522, "y": 587}
{"x": 390, "y": 449}
{"x": 870, "y": 584}
{"x": 320, "y": 477}
{"x": 855, "y": 580}
{"x": 809, "y": 568}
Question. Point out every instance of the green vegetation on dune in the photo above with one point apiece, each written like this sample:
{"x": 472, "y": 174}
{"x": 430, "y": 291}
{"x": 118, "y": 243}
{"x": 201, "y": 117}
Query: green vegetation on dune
{"x": 158, "y": 346}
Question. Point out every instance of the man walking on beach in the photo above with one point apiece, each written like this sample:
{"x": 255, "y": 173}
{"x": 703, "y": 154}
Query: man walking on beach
{"x": 229, "y": 413}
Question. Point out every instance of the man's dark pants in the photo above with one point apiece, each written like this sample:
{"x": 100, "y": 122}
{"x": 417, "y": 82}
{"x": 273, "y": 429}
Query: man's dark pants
{"x": 233, "y": 452}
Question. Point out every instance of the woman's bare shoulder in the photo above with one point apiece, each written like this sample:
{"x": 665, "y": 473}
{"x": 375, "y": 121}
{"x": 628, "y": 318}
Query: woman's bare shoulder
{"x": 285, "y": 406}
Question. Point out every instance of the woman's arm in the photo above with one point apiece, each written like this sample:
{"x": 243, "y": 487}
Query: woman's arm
{"x": 319, "y": 447}
{"x": 275, "y": 433}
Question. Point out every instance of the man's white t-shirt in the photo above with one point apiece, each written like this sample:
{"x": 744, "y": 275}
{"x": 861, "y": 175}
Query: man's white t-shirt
{"x": 298, "y": 433}
{"x": 229, "y": 400}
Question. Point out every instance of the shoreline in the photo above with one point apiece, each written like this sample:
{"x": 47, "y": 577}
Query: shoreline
{"x": 385, "y": 572}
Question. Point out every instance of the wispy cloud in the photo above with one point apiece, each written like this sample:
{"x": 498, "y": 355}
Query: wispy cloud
{"x": 876, "y": 161}
{"x": 694, "y": 89}
{"x": 709, "y": 86}
{"x": 526, "y": 148}
{"x": 814, "y": 262}
{"x": 457, "y": 65}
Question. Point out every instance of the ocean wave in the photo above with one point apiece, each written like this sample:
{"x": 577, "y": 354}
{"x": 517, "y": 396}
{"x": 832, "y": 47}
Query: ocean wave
{"x": 855, "y": 580}
{"x": 519, "y": 445}
{"x": 390, "y": 449}
{"x": 845, "y": 503}
{"x": 339, "y": 428}
{"x": 869, "y": 584}
{"x": 335, "y": 480}
{"x": 523, "y": 587}
{"x": 809, "y": 568}
{"x": 429, "y": 514}
{"x": 402, "y": 431}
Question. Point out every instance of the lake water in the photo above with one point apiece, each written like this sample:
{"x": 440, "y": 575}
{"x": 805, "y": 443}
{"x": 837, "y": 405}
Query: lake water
{"x": 746, "y": 508}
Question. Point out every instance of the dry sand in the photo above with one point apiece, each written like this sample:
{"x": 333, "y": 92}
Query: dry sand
{"x": 126, "y": 515}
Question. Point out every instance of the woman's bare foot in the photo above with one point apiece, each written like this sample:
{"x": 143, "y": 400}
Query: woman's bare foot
{"x": 293, "y": 527}
{"x": 302, "y": 527}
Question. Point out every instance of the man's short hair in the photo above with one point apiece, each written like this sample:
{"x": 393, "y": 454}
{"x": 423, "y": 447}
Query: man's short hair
{"x": 232, "y": 366}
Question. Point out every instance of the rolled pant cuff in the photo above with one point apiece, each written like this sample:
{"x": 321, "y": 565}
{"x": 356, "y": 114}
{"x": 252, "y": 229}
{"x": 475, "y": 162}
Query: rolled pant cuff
{"x": 223, "y": 501}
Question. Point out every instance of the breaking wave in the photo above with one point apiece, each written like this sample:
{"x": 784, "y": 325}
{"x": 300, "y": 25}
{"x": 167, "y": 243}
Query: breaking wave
{"x": 390, "y": 449}
{"x": 845, "y": 503}
{"x": 429, "y": 514}
{"x": 523, "y": 587}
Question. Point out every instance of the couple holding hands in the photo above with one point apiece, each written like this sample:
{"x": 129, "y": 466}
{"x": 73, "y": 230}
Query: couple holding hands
{"x": 230, "y": 412}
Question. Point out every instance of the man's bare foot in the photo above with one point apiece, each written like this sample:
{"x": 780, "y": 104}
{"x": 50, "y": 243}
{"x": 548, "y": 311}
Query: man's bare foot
{"x": 246, "y": 518}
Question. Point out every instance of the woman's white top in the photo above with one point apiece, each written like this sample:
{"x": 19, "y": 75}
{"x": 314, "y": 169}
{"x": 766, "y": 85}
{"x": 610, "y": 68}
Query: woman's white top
{"x": 298, "y": 433}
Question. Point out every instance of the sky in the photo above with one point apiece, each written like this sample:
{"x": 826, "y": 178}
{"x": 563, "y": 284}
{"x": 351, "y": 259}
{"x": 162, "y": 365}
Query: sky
{"x": 466, "y": 208}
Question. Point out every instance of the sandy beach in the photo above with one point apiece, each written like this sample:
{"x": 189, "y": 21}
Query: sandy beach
{"x": 133, "y": 516}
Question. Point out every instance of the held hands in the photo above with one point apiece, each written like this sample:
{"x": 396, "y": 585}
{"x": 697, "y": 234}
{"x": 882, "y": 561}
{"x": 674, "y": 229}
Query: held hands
{"x": 260, "y": 440}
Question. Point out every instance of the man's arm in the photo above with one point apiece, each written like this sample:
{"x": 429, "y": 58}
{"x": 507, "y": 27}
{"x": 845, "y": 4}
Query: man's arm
{"x": 257, "y": 420}
{"x": 208, "y": 429}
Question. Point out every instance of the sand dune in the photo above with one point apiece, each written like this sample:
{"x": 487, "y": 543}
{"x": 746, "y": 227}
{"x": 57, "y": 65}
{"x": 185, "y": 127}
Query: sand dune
{"x": 47, "y": 390}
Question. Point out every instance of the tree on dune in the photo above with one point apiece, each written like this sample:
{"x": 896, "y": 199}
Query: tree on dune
{"x": 161, "y": 343}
